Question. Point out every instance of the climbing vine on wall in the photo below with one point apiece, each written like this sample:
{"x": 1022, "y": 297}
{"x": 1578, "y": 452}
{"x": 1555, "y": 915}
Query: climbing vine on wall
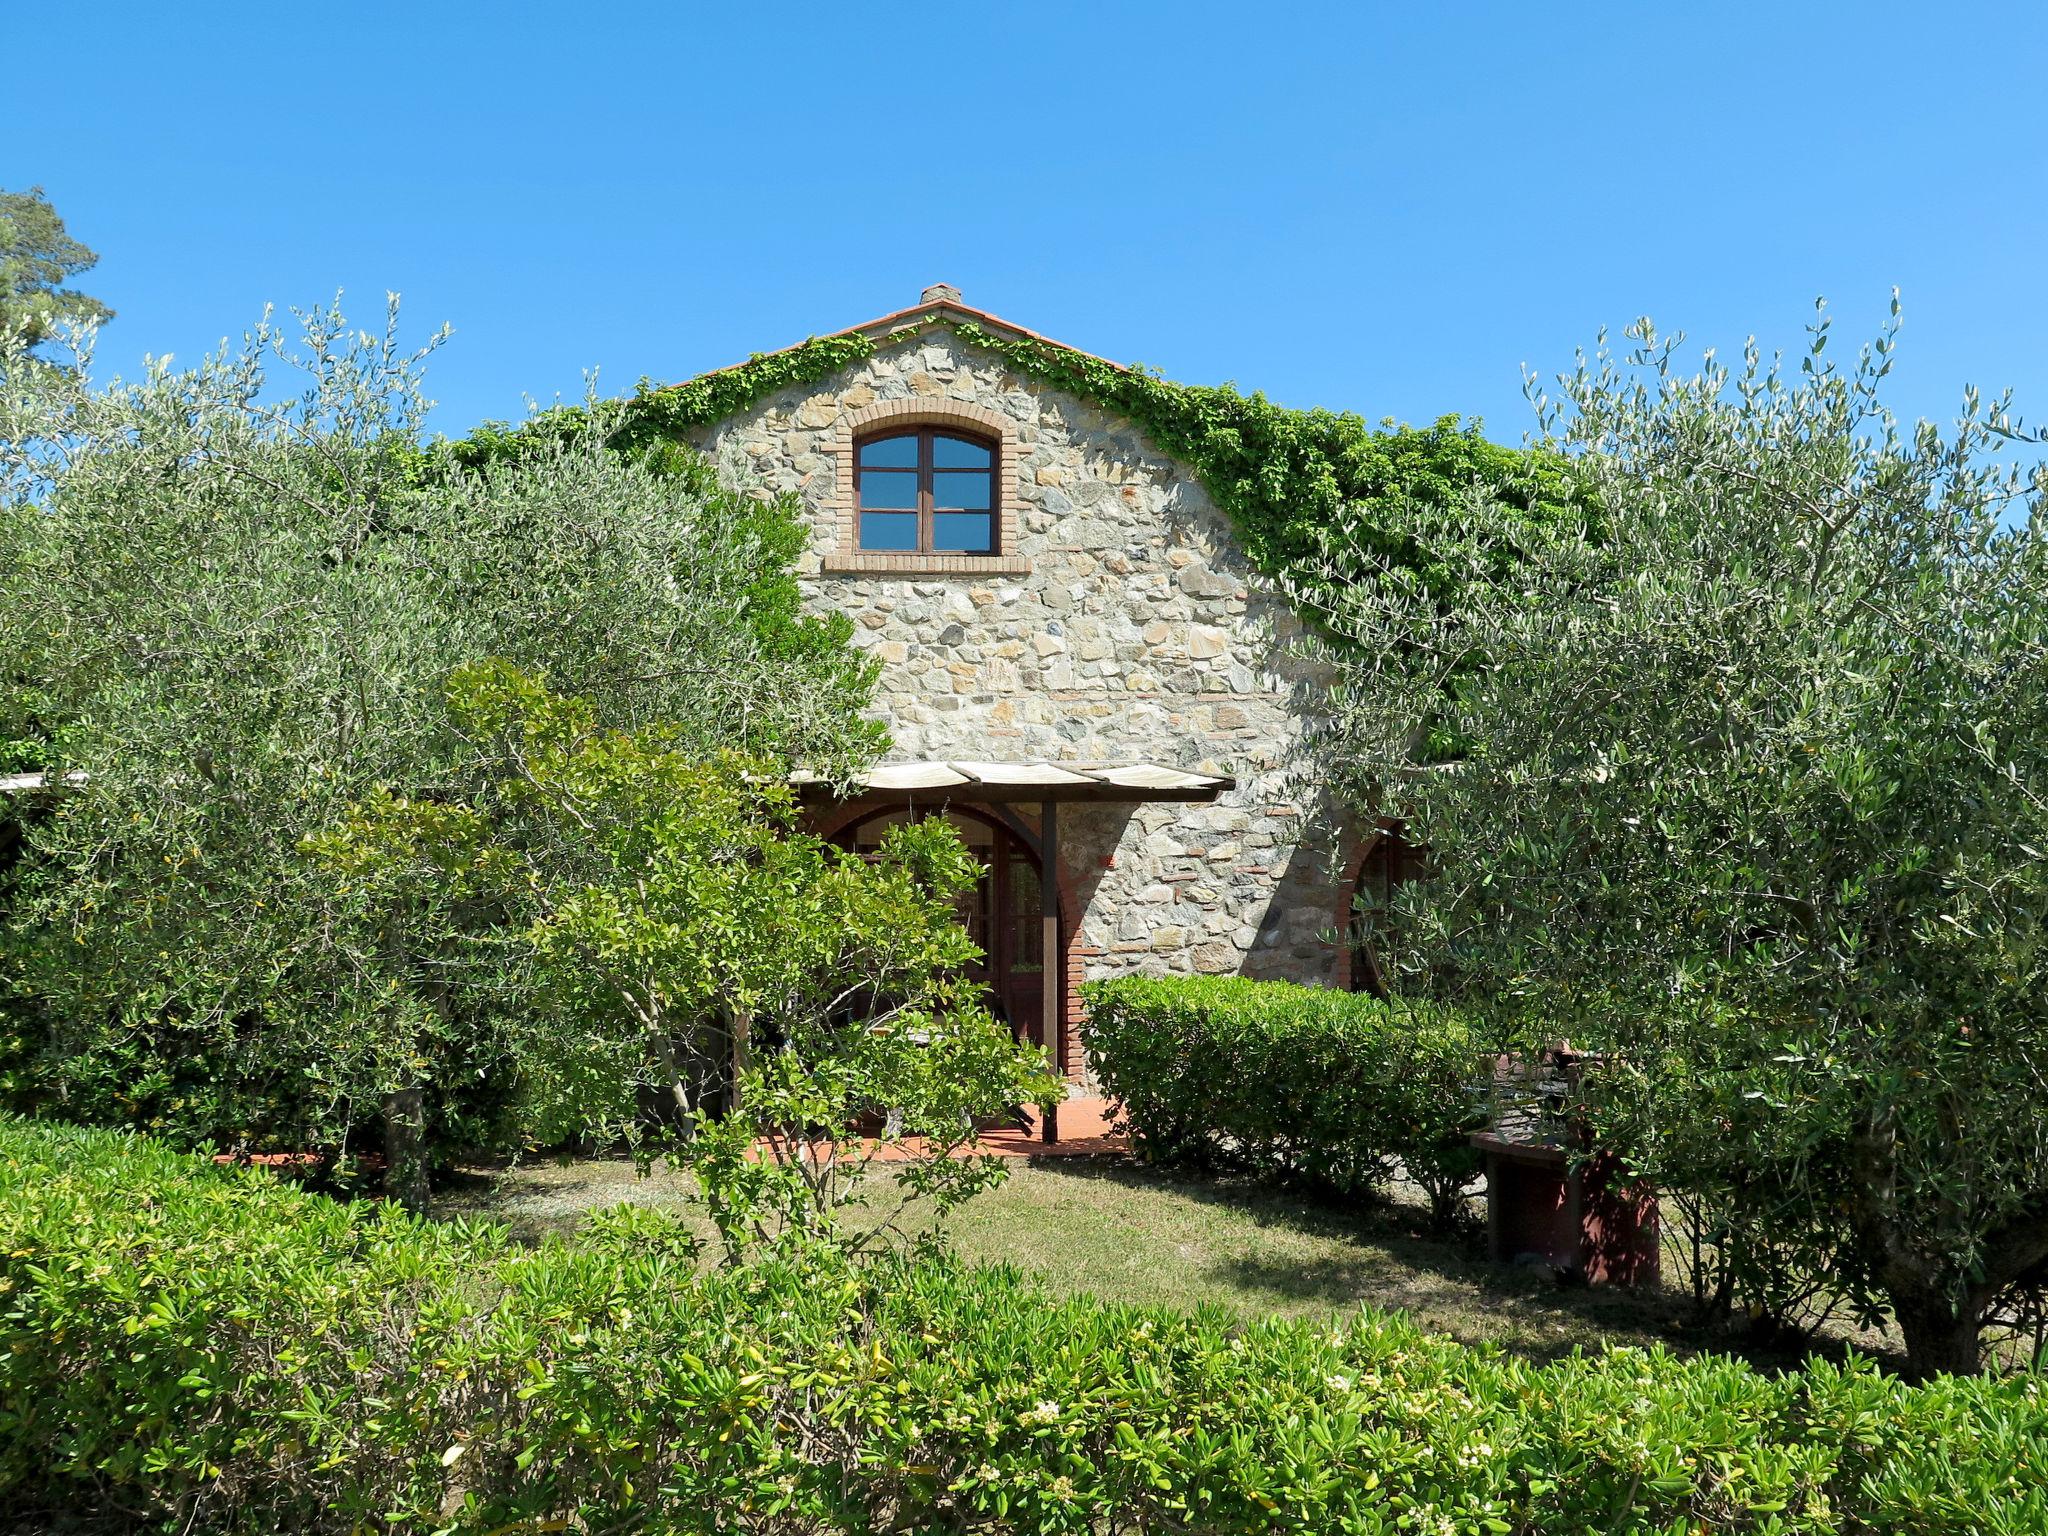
{"x": 1283, "y": 476}
{"x": 655, "y": 413}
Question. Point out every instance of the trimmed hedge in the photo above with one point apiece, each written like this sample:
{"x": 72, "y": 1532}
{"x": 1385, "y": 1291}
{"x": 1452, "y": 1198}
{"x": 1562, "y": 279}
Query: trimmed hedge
{"x": 1277, "y": 1079}
{"x": 209, "y": 1349}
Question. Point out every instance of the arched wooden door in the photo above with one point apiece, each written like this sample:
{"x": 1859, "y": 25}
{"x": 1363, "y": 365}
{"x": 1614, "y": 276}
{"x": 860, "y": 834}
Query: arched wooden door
{"x": 1003, "y": 914}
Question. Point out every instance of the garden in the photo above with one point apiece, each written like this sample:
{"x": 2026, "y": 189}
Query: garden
{"x": 450, "y": 1087}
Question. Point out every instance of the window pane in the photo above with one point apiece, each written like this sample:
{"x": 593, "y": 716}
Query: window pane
{"x": 978, "y": 835}
{"x": 867, "y": 837}
{"x": 888, "y": 490}
{"x": 888, "y": 530}
{"x": 964, "y": 533}
{"x": 890, "y": 453}
{"x": 976, "y": 912}
{"x": 953, "y": 453}
{"x": 966, "y": 489}
{"x": 1027, "y": 937}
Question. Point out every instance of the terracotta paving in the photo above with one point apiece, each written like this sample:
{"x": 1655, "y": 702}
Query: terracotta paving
{"x": 1083, "y": 1132}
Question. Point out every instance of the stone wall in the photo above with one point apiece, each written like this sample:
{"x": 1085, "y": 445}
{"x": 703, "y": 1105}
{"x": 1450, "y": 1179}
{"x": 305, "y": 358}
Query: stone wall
{"x": 1121, "y": 624}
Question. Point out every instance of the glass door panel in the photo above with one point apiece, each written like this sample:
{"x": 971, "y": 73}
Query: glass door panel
{"x": 1004, "y": 914}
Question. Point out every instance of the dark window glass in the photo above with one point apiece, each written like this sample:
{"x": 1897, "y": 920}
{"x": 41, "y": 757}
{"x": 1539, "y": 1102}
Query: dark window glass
{"x": 937, "y": 485}
{"x": 889, "y": 491}
{"x": 890, "y": 453}
{"x": 1027, "y": 944}
{"x": 888, "y": 530}
{"x": 962, "y": 533}
{"x": 1389, "y": 863}
{"x": 958, "y": 453}
{"x": 966, "y": 490}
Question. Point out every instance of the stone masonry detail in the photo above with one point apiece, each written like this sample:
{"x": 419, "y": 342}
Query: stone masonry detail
{"x": 1121, "y": 624}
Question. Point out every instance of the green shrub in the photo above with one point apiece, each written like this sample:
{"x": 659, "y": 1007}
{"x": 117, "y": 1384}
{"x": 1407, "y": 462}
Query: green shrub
{"x": 210, "y": 1349}
{"x": 1277, "y": 1079}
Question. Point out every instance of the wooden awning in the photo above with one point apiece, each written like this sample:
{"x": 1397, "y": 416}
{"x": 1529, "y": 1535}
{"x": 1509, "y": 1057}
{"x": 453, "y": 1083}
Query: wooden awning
{"x": 957, "y": 780}
{"x": 988, "y": 783}
{"x": 38, "y": 783}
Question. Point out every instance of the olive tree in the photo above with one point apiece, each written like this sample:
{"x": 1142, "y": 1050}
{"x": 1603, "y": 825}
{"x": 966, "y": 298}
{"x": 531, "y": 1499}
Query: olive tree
{"x": 231, "y": 600}
{"x": 696, "y": 949}
{"x": 1754, "y": 795}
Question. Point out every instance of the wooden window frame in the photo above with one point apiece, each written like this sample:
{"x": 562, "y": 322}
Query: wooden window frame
{"x": 888, "y": 418}
{"x": 927, "y": 436}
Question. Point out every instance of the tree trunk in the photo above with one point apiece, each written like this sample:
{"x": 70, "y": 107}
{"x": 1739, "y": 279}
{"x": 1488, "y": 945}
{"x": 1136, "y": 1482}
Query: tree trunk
{"x": 740, "y": 1024}
{"x": 1941, "y": 1339}
{"x": 405, "y": 1148}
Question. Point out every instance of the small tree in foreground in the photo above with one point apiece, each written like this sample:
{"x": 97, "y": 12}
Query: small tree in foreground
{"x": 1757, "y": 795}
{"x": 696, "y": 954}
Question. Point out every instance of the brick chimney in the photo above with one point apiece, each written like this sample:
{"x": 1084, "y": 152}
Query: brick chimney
{"x": 940, "y": 293}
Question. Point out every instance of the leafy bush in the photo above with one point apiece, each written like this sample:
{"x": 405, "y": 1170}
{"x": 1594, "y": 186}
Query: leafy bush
{"x": 1273, "y": 1078}
{"x": 209, "y": 1349}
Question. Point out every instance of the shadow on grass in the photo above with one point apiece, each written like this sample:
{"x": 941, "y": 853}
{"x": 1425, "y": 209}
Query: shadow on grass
{"x": 486, "y": 1192}
{"x": 1326, "y": 1255}
{"x": 548, "y": 1194}
{"x": 1387, "y": 1257}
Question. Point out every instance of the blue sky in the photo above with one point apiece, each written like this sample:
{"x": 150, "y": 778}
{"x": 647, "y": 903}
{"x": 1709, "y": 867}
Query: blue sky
{"x": 1388, "y": 209}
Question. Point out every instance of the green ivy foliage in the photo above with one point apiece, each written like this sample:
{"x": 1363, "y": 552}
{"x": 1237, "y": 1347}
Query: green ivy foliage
{"x": 1288, "y": 477}
{"x": 669, "y": 412}
{"x": 205, "y": 1350}
{"x": 654, "y": 419}
{"x": 1280, "y": 1080}
{"x": 1306, "y": 489}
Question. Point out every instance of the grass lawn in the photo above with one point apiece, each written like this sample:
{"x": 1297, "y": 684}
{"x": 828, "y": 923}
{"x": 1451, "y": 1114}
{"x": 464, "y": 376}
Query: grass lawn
{"x": 1120, "y": 1231}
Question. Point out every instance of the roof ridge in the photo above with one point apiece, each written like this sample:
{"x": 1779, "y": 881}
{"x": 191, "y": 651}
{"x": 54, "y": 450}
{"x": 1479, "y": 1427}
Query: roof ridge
{"x": 940, "y": 302}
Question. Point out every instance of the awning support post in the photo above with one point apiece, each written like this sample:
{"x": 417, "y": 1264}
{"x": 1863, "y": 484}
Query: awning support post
{"x": 1054, "y": 972}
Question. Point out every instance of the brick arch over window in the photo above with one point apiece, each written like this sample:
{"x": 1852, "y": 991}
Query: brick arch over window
{"x": 882, "y": 416}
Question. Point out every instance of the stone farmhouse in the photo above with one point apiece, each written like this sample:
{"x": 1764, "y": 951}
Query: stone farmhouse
{"x": 1078, "y": 668}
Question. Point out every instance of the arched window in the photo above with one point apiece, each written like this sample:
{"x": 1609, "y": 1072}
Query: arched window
{"x": 929, "y": 490}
